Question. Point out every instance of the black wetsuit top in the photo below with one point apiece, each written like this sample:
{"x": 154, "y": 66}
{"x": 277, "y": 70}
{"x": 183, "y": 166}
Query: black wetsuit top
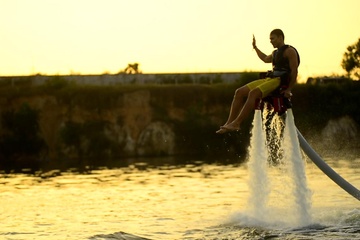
{"x": 281, "y": 65}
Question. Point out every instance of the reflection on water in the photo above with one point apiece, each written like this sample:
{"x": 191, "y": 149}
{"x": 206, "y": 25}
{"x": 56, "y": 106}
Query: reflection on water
{"x": 170, "y": 202}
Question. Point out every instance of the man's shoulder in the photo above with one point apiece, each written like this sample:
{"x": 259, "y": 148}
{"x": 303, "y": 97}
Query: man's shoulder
{"x": 290, "y": 49}
{"x": 292, "y": 53}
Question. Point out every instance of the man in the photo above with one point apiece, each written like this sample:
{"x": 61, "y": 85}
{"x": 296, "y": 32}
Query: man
{"x": 285, "y": 69}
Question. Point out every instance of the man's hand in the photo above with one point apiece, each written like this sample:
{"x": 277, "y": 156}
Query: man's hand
{"x": 254, "y": 42}
{"x": 265, "y": 58}
{"x": 287, "y": 93}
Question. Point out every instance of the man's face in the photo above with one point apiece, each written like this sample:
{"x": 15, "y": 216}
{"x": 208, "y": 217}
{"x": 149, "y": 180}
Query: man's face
{"x": 275, "y": 40}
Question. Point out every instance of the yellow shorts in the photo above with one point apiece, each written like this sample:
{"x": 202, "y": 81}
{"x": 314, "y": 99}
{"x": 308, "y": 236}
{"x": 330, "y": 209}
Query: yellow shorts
{"x": 266, "y": 85}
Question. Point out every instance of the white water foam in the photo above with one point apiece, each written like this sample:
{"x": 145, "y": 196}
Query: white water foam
{"x": 258, "y": 170}
{"x": 293, "y": 159}
{"x": 297, "y": 197}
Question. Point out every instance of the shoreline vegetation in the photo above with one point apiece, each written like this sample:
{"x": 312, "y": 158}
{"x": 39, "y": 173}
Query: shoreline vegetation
{"x": 62, "y": 125}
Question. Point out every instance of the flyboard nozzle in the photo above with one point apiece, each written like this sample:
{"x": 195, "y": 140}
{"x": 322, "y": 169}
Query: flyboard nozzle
{"x": 287, "y": 103}
{"x": 281, "y": 103}
{"x": 259, "y": 104}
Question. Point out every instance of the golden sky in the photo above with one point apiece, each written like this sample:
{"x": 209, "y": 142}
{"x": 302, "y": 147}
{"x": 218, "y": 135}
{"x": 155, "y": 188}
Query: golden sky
{"x": 164, "y": 36}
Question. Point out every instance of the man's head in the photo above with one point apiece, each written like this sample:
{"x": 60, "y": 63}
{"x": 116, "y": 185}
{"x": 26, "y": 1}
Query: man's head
{"x": 277, "y": 38}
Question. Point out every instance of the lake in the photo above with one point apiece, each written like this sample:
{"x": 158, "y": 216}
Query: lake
{"x": 194, "y": 201}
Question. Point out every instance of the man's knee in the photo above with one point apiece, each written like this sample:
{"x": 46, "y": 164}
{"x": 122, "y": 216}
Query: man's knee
{"x": 242, "y": 92}
{"x": 255, "y": 93}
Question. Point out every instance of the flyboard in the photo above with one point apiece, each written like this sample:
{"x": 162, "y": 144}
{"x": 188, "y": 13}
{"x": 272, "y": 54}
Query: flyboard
{"x": 280, "y": 104}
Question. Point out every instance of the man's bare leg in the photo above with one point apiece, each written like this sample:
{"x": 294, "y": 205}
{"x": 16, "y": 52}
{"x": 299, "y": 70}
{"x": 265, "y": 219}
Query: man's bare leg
{"x": 244, "y": 113}
{"x": 237, "y": 103}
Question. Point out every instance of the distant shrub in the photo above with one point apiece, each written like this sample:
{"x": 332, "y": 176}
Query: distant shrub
{"x": 247, "y": 77}
{"x": 21, "y": 140}
{"x": 57, "y": 82}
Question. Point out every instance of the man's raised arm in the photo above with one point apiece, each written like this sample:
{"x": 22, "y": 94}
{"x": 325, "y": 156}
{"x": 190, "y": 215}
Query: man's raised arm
{"x": 265, "y": 58}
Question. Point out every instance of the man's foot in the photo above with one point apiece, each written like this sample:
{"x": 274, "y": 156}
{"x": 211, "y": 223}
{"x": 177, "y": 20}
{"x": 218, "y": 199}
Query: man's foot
{"x": 227, "y": 128}
{"x": 221, "y": 131}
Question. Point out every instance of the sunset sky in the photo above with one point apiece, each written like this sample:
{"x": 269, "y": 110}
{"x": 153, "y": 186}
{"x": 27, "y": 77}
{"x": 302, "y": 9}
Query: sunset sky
{"x": 164, "y": 36}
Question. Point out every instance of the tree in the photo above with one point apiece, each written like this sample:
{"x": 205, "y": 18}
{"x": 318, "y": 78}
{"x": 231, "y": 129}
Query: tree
{"x": 351, "y": 60}
{"x": 132, "y": 69}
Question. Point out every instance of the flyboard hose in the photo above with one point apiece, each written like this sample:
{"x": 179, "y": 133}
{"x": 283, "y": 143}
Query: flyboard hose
{"x": 326, "y": 168}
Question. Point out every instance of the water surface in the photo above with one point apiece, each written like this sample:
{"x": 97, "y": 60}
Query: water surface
{"x": 172, "y": 202}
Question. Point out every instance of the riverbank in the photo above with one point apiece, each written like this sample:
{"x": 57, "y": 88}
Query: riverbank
{"x": 61, "y": 125}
